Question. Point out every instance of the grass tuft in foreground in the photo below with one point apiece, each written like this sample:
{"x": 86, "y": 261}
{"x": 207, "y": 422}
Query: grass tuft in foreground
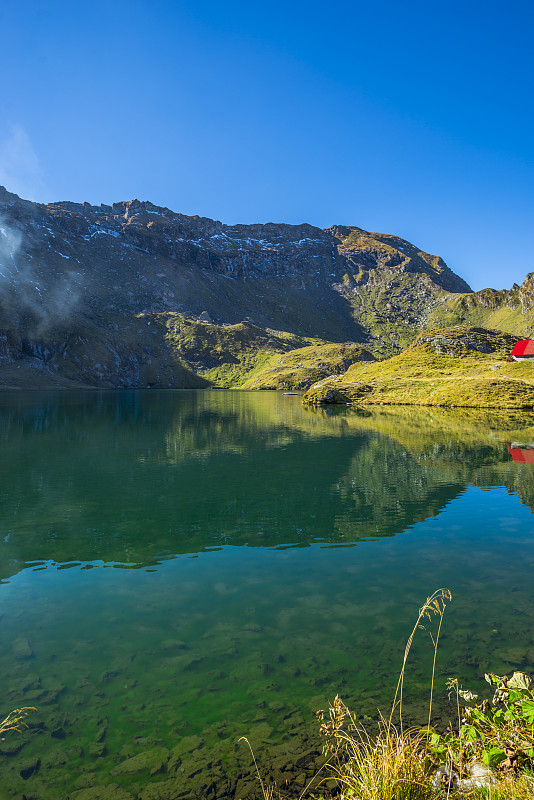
{"x": 392, "y": 765}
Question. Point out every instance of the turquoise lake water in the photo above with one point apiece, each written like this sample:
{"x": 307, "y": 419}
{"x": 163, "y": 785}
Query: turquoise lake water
{"x": 216, "y": 564}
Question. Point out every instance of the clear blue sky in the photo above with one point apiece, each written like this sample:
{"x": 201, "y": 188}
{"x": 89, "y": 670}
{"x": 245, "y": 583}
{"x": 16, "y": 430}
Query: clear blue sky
{"x": 412, "y": 118}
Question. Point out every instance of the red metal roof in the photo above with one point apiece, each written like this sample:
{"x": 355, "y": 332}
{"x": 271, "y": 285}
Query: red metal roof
{"x": 525, "y": 347}
{"x": 523, "y": 455}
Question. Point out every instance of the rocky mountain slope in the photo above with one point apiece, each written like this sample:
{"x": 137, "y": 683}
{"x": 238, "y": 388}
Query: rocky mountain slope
{"x": 108, "y": 295}
{"x": 510, "y": 310}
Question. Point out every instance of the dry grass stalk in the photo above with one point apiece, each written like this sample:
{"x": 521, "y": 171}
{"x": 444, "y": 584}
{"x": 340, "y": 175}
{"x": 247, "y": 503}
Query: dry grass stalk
{"x": 266, "y": 791}
{"x": 394, "y": 764}
{"x": 15, "y": 720}
{"x": 433, "y": 606}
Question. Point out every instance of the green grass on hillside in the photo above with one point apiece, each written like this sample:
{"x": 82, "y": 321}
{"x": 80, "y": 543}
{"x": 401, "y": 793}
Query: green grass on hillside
{"x": 421, "y": 375}
{"x": 298, "y": 369}
{"x": 227, "y": 355}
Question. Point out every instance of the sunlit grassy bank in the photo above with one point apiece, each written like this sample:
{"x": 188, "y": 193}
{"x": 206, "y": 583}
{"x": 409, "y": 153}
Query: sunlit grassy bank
{"x": 463, "y": 367}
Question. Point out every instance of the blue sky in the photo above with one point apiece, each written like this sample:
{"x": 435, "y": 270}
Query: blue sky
{"x": 409, "y": 118}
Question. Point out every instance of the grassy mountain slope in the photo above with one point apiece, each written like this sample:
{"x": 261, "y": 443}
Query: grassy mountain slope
{"x": 227, "y": 355}
{"x": 172, "y": 350}
{"x": 462, "y": 366}
{"x": 299, "y": 369}
{"x": 82, "y": 285}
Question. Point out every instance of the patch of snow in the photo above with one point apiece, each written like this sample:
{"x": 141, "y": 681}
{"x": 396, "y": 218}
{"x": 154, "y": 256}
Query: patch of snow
{"x": 98, "y": 230}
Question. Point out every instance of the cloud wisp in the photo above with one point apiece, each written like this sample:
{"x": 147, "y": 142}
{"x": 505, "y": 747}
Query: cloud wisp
{"x": 26, "y": 297}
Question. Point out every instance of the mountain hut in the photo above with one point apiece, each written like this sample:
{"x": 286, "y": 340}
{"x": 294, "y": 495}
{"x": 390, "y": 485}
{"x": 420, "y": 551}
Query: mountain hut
{"x": 523, "y": 350}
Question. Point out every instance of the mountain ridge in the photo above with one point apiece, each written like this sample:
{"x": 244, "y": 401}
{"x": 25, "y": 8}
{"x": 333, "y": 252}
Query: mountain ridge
{"x": 88, "y": 293}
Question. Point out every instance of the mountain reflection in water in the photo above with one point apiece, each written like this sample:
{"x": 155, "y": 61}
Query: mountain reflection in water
{"x": 135, "y": 476}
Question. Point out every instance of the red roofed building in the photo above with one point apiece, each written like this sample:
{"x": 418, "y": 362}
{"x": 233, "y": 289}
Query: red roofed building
{"x": 523, "y": 350}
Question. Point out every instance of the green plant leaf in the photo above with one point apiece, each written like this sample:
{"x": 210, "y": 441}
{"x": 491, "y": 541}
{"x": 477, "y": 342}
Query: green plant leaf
{"x": 493, "y": 756}
{"x": 468, "y": 732}
{"x": 527, "y": 707}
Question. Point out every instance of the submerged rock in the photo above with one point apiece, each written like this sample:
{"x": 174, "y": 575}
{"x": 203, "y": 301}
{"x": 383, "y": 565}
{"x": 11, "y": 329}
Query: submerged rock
{"x": 57, "y": 758}
{"x": 12, "y": 745}
{"x": 187, "y": 745}
{"x": 260, "y": 733}
{"x": 170, "y": 789}
{"x": 29, "y": 766}
{"x": 149, "y": 761}
{"x": 22, "y": 648}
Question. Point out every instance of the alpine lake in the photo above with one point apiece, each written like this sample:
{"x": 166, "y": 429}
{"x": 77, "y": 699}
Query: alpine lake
{"x": 180, "y": 569}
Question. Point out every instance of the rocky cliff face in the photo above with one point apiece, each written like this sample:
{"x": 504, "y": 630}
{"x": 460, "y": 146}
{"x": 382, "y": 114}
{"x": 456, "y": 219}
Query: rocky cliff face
{"x": 83, "y": 288}
{"x": 364, "y": 252}
{"x": 508, "y": 310}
